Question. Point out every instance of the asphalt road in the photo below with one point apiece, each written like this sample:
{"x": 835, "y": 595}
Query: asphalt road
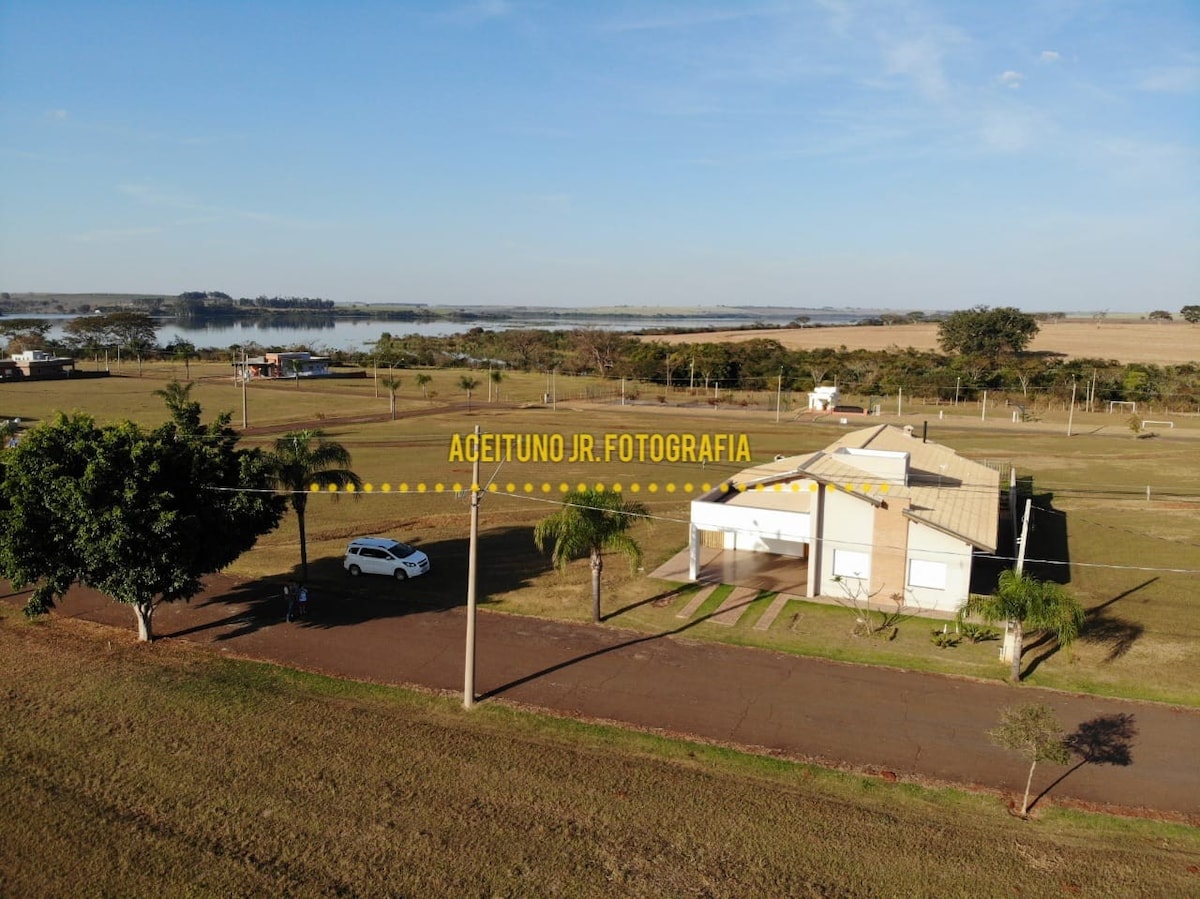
{"x": 914, "y": 725}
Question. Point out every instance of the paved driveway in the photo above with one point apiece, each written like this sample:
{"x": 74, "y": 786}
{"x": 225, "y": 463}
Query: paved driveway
{"x": 876, "y": 719}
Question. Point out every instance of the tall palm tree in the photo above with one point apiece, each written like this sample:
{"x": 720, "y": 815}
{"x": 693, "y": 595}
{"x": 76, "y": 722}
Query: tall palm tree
{"x": 303, "y": 458}
{"x": 495, "y": 376}
{"x": 392, "y": 383}
{"x": 1027, "y": 603}
{"x": 589, "y": 524}
{"x": 423, "y": 380}
{"x": 467, "y": 383}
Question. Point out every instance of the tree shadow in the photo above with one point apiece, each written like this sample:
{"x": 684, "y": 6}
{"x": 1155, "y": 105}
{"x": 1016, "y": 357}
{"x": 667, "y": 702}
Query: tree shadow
{"x": 1106, "y": 740}
{"x": 636, "y": 641}
{"x": 1117, "y": 634}
{"x": 657, "y": 599}
{"x": 338, "y": 600}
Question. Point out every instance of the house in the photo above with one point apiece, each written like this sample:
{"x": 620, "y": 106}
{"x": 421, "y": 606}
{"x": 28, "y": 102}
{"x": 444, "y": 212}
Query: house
{"x": 282, "y": 365}
{"x": 36, "y": 365}
{"x": 822, "y": 399}
{"x": 878, "y": 513}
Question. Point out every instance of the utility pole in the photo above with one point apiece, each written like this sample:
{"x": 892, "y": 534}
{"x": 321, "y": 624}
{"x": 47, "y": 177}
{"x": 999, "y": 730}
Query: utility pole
{"x": 1071, "y": 414}
{"x": 472, "y": 567}
{"x": 245, "y": 401}
{"x": 983, "y": 413}
{"x": 957, "y": 384}
{"x": 899, "y": 401}
{"x": 692, "y": 376}
{"x": 1008, "y": 648}
{"x": 778, "y": 396}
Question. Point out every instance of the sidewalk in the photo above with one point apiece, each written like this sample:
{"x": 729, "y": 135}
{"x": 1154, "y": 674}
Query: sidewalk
{"x": 868, "y": 718}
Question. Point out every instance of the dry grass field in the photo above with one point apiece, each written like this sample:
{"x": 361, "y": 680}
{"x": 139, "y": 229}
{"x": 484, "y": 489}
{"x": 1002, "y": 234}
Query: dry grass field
{"x": 1161, "y": 343}
{"x": 169, "y": 770}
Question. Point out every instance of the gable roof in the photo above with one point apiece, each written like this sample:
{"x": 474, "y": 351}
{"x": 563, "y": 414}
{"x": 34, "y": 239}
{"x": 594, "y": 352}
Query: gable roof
{"x": 944, "y": 490}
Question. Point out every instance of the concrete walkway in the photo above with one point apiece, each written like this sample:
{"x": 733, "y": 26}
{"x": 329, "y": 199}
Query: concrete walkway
{"x": 869, "y": 718}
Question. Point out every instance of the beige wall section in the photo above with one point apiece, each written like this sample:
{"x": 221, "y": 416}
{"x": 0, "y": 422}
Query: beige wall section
{"x": 890, "y": 541}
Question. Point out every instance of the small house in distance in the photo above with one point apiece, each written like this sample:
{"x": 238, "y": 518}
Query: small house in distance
{"x": 282, "y": 365}
{"x": 36, "y": 365}
{"x": 822, "y": 399}
{"x": 879, "y": 513}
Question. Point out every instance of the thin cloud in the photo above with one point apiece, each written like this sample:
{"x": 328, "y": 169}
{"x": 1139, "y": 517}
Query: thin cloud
{"x": 1049, "y": 56}
{"x": 151, "y": 196}
{"x": 693, "y": 19}
{"x": 58, "y": 115}
{"x": 1011, "y": 79}
{"x": 1172, "y": 80}
{"x": 102, "y": 235}
{"x": 480, "y": 11}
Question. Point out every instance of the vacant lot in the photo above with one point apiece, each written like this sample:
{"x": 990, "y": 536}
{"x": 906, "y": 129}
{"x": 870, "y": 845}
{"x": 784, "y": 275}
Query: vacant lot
{"x": 167, "y": 771}
{"x": 1161, "y": 343}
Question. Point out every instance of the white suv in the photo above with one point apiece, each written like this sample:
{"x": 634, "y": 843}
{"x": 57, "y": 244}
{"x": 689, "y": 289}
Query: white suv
{"x": 381, "y": 555}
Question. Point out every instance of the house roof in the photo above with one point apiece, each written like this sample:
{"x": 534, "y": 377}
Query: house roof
{"x": 944, "y": 490}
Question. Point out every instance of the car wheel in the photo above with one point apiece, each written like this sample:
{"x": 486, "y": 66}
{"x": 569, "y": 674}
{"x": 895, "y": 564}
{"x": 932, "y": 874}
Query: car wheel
{"x": 400, "y": 575}
{"x": 354, "y": 570}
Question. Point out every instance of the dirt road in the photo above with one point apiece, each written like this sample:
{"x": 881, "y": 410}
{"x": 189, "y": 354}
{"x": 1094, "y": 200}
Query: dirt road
{"x": 914, "y": 725}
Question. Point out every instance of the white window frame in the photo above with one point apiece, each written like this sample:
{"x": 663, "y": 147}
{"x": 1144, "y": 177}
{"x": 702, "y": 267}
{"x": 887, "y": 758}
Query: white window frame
{"x": 927, "y": 574}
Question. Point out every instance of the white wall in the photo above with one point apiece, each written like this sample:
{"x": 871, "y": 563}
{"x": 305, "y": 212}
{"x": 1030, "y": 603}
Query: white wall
{"x": 932, "y": 546}
{"x": 848, "y": 524}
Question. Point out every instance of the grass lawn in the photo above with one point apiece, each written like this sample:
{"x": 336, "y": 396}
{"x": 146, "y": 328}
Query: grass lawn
{"x": 169, "y": 771}
{"x": 1143, "y": 633}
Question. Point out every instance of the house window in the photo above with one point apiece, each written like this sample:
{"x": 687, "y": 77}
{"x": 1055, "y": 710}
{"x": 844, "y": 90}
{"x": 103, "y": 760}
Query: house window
{"x": 931, "y": 575}
{"x": 847, "y": 563}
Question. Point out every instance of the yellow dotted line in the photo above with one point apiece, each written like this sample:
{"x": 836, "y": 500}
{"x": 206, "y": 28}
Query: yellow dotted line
{"x": 546, "y": 487}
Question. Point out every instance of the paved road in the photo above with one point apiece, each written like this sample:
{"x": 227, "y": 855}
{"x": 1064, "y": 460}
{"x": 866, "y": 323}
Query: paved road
{"x": 871, "y": 718}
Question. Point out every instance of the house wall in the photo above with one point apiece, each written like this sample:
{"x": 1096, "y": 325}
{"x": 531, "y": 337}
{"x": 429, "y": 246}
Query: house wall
{"x": 930, "y": 546}
{"x": 750, "y": 528}
{"x": 848, "y": 525}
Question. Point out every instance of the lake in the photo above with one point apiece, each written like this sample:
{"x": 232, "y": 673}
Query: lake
{"x": 332, "y": 333}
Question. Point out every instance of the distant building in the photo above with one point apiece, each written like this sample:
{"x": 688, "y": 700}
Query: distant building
{"x": 282, "y": 365}
{"x": 823, "y": 399}
{"x": 36, "y": 365}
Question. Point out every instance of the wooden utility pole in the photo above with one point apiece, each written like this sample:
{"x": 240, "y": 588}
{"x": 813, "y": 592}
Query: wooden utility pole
{"x": 472, "y": 567}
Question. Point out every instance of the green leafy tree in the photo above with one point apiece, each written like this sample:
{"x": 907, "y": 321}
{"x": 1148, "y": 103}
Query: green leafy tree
{"x": 1034, "y": 731}
{"x": 983, "y": 331}
{"x": 590, "y": 523}
{"x": 141, "y": 516}
{"x": 304, "y": 458}
{"x": 467, "y": 383}
{"x": 1161, "y": 315}
{"x": 1028, "y": 604}
{"x": 495, "y": 376}
{"x": 1191, "y": 314}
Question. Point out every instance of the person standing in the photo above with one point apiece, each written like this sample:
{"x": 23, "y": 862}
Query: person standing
{"x": 302, "y": 601}
{"x": 289, "y": 595}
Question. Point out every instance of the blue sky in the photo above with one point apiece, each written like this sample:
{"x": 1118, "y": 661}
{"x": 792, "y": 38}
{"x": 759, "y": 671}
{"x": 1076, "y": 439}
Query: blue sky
{"x": 927, "y": 155}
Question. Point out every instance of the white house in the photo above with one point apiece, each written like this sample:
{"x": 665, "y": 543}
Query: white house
{"x": 879, "y": 512}
{"x": 822, "y": 399}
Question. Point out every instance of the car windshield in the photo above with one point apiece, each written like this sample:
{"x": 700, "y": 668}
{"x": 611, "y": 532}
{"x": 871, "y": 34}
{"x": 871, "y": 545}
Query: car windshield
{"x": 401, "y": 550}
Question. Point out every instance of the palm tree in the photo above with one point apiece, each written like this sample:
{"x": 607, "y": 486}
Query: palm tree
{"x": 589, "y": 523}
{"x": 1025, "y": 602}
{"x": 467, "y": 383}
{"x": 495, "y": 376}
{"x": 303, "y": 458}
{"x": 185, "y": 411}
{"x": 392, "y": 383}
{"x": 423, "y": 380}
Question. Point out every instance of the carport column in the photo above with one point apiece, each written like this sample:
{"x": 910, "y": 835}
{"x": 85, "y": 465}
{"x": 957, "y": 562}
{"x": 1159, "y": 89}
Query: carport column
{"x": 816, "y": 531}
{"x": 693, "y": 552}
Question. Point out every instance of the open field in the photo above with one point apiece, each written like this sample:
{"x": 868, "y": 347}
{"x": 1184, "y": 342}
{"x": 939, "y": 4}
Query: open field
{"x": 1130, "y": 560}
{"x": 170, "y": 771}
{"x": 1161, "y": 343}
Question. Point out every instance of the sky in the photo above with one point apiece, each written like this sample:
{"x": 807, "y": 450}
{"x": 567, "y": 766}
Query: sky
{"x": 887, "y": 155}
